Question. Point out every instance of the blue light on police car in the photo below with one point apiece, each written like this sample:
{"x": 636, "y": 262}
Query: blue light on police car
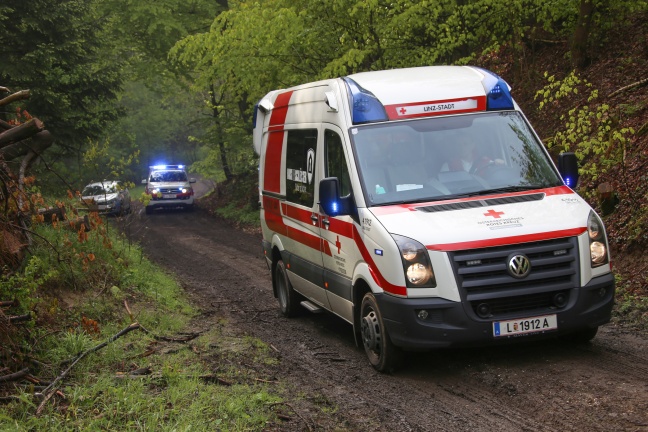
{"x": 366, "y": 107}
{"x": 159, "y": 166}
{"x": 568, "y": 181}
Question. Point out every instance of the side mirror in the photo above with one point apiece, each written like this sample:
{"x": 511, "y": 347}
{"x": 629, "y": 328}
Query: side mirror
{"x": 144, "y": 181}
{"x": 568, "y": 168}
{"x": 192, "y": 180}
{"x": 331, "y": 202}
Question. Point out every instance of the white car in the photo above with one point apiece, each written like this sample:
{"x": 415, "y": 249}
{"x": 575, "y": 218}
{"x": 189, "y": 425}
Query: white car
{"x": 109, "y": 197}
{"x": 169, "y": 187}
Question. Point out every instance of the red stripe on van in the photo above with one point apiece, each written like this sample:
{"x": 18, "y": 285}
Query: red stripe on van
{"x": 373, "y": 269}
{"x": 349, "y": 230}
{"x": 274, "y": 149}
{"x": 401, "y": 208}
{"x": 449, "y": 247}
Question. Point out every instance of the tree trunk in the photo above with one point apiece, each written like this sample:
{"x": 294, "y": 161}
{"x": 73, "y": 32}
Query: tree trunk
{"x": 580, "y": 59}
{"x": 219, "y": 132}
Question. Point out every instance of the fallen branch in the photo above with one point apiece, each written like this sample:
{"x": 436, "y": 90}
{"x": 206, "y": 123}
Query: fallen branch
{"x": 50, "y": 390}
{"x": 8, "y": 303}
{"x": 214, "y": 379}
{"x": 19, "y": 318}
{"x": 629, "y": 86}
{"x": 190, "y": 336}
{"x": 16, "y": 376}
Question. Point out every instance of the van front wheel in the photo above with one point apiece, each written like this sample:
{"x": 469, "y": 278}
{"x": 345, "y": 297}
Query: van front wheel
{"x": 383, "y": 355}
{"x": 288, "y": 298}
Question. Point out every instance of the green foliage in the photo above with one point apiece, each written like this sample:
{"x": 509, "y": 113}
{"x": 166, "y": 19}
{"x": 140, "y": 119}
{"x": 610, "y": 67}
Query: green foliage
{"x": 590, "y": 128}
{"x": 22, "y": 285}
{"x": 100, "y": 160}
{"x": 58, "y": 50}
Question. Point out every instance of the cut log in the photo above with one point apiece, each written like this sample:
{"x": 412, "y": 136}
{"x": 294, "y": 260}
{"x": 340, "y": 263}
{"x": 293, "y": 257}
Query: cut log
{"x": 37, "y": 143}
{"x": 21, "y": 132}
{"x": 19, "y": 95}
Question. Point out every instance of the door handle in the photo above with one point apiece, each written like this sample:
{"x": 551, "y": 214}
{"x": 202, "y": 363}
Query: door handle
{"x": 326, "y": 223}
{"x": 315, "y": 219}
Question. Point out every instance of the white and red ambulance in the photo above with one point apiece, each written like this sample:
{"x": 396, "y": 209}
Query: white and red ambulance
{"x": 420, "y": 206}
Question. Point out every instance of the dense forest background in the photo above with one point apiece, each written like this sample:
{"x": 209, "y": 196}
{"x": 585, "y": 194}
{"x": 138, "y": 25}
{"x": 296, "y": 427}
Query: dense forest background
{"x": 122, "y": 84}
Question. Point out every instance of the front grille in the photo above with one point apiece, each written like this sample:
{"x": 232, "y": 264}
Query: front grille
{"x": 170, "y": 190}
{"x": 486, "y": 284}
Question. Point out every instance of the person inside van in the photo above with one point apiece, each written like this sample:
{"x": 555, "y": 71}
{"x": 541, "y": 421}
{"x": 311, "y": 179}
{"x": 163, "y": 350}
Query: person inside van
{"x": 468, "y": 159}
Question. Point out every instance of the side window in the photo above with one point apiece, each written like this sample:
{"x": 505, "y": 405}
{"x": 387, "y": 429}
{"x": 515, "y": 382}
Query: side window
{"x": 336, "y": 165}
{"x": 301, "y": 148}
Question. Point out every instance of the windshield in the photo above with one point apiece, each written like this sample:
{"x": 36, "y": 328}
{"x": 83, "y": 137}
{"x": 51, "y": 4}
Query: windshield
{"x": 449, "y": 157}
{"x": 168, "y": 176}
{"x": 99, "y": 190}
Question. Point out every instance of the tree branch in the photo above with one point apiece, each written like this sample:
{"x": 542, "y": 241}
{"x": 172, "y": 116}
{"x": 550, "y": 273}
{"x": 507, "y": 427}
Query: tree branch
{"x": 50, "y": 390}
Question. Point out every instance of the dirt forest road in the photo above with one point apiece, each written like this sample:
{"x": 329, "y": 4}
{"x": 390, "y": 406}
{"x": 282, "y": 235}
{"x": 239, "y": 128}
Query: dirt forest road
{"x": 551, "y": 386}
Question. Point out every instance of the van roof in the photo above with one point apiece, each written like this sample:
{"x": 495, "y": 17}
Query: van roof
{"x": 422, "y": 83}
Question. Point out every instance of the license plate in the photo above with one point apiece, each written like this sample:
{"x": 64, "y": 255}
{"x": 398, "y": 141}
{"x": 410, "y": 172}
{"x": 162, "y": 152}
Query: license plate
{"x": 167, "y": 196}
{"x": 525, "y": 325}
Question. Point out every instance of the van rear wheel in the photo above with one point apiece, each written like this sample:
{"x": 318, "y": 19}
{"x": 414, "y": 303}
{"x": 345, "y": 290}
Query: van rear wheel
{"x": 383, "y": 355}
{"x": 287, "y": 296}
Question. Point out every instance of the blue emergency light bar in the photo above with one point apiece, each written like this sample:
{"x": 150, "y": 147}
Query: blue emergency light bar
{"x": 161, "y": 167}
{"x": 366, "y": 108}
{"x": 498, "y": 96}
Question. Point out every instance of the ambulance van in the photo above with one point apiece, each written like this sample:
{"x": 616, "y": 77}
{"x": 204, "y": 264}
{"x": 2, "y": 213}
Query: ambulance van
{"x": 420, "y": 206}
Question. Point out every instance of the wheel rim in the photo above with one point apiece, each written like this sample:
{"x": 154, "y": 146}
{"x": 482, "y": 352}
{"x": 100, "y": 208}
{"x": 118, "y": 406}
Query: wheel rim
{"x": 371, "y": 336}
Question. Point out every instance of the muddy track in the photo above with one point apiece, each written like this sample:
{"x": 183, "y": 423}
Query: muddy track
{"x": 549, "y": 386}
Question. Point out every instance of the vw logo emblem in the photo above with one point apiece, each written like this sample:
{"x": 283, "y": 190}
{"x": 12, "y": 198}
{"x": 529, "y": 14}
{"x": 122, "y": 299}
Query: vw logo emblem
{"x": 519, "y": 266}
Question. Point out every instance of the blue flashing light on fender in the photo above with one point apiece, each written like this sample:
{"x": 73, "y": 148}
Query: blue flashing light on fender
{"x": 366, "y": 107}
{"x": 498, "y": 96}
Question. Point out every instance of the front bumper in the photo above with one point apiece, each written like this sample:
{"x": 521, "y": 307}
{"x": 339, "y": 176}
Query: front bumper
{"x": 184, "y": 201}
{"x": 450, "y": 324}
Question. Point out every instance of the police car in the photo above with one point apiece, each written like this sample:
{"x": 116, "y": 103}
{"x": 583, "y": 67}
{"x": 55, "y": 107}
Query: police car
{"x": 169, "y": 187}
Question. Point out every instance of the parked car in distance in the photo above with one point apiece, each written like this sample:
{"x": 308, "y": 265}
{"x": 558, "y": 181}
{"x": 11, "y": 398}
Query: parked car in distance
{"x": 107, "y": 197}
{"x": 169, "y": 187}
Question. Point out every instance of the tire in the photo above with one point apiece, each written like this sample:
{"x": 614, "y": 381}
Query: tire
{"x": 286, "y": 295}
{"x": 383, "y": 355}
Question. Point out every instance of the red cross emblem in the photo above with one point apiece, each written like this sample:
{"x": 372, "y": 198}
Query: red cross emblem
{"x": 494, "y": 213}
{"x": 403, "y": 111}
{"x": 338, "y": 244}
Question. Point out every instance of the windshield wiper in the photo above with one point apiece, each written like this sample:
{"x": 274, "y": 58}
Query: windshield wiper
{"x": 505, "y": 189}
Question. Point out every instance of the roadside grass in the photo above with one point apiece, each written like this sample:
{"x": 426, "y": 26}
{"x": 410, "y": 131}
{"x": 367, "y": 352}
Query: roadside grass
{"x": 84, "y": 288}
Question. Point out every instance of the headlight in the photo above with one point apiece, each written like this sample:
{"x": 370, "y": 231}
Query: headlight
{"x": 416, "y": 263}
{"x": 597, "y": 241}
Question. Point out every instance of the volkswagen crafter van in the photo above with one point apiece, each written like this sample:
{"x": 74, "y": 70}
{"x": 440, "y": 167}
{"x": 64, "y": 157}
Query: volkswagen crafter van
{"x": 420, "y": 206}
